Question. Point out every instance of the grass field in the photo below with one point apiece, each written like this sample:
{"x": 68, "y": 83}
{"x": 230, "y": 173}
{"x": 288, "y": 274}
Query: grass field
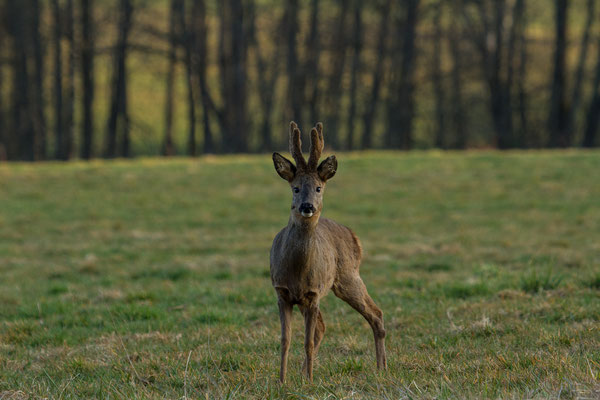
{"x": 150, "y": 278}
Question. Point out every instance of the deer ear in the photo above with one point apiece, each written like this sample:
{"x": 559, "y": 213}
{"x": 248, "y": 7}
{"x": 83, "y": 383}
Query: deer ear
{"x": 284, "y": 167}
{"x": 327, "y": 168}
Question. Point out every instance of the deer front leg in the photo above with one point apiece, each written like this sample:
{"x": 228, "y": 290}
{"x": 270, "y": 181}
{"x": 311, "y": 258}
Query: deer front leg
{"x": 319, "y": 332}
{"x": 285, "y": 315}
{"x": 310, "y": 323}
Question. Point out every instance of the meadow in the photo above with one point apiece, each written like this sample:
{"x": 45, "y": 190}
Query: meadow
{"x": 150, "y": 278}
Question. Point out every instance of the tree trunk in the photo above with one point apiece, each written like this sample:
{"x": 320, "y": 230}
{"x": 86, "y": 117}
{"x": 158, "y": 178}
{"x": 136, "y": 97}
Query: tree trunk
{"x": 39, "y": 119}
{"x": 557, "y": 118}
{"x": 294, "y": 89}
{"x": 503, "y": 114}
{"x": 311, "y": 65}
{"x": 334, "y": 90}
{"x": 118, "y": 121}
{"x": 521, "y": 79}
{"x": 237, "y": 96}
{"x": 69, "y": 83}
{"x": 438, "y": 77}
{"x": 127, "y": 10}
{"x": 199, "y": 62}
{"x": 168, "y": 148}
{"x": 187, "y": 38}
{"x": 371, "y": 106}
{"x": 591, "y": 129}
{"x": 87, "y": 77}
{"x": 3, "y": 115}
{"x": 401, "y": 112}
{"x": 491, "y": 45}
{"x": 233, "y": 76}
{"x": 22, "y": 128}
{"x": 267, "y": 78}
{"x": 593, "y": 114}
{"x": 355, "y": 71}
{"x": 460, "y": 132}
{"x": 58, "y": 95}
{"x": 580, "y": 71}
{"x": 515, "y": 28}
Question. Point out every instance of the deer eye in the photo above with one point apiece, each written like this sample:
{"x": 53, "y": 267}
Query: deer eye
{"x": 296, "y": 190}
{"x": 319, "y": 189}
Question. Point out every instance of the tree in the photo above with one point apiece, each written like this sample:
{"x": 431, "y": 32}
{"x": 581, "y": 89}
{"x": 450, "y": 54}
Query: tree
{"x": 334, "y": 89}
{"x": 381, "y": 55}
{"x": 58, "y": 85}
{"x": 294, "y": 72}
{"x": 355, "y": 70}
{"x": 199, "y": 62}
{"x": 401, "y": 105}
{"x": 175, "y": 10}
{"x": 64, "y": 100}
{"x": 557, "y": 116}
{"x": 438, "y": 76}
{"x": 3, "y": 114}
{"x": 363, "y": 68}
{"x": 270, "y": 70}
{"x": 593, "y": 113}
{"x": 311, "y": 65}
{"x": 87, "y": 77}
{"x": 576, "y": 95}
{"x": 460, "y": 133}
{"x": 522, "y": 97}
{"x": 22, "y": 145}
{"x": 118, "y": 120}
{"x": 488, "y": 33}
{"x": 37, "y": 96}
{"x": 233, "y": 75}
{"x": 513, "y": 35}
{"x": 187, "y": 40}
{"x": 69, "y": 117}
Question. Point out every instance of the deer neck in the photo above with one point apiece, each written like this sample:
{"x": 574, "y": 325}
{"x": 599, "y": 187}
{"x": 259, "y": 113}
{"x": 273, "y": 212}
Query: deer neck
{"x": 301, "y": 238}
{"x": 303, "y": 226}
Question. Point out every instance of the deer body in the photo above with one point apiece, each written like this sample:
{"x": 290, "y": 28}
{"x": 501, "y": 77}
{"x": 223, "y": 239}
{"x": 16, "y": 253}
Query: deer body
{"x": 313, "y": 255}
{"x": 303, "y": 260}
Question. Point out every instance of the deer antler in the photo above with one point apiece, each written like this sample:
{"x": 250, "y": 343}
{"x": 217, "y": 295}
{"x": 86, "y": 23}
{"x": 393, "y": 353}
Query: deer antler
{"x": 316, "y": 146}
{"x": 296, "y": 146}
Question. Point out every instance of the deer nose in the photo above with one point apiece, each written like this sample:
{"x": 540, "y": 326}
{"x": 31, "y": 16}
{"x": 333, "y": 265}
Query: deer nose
{"x": 307, "y": 207}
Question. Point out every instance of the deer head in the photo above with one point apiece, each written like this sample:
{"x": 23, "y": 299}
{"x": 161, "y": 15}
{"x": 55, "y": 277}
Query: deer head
{"x": 306, "y": 179}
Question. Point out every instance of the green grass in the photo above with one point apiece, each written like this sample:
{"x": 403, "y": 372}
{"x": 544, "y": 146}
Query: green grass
{"x": 535, "y": 282}
{"x": 150, "y": 278}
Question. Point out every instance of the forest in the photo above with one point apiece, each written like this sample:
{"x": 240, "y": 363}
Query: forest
{"x": 83, "y": 79}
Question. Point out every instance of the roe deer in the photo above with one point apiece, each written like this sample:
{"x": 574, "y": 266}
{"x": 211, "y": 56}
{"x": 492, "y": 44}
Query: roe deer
{"x": 312, "y": 255}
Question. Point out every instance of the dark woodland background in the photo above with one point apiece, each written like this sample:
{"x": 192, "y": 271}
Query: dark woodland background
{"x": 91, "y": 78}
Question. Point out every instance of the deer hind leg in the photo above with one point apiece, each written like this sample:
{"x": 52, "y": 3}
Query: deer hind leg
{"x": 318, "y": 337}
{"x": 354, "y": 292}
{"x": 285, "y": 315}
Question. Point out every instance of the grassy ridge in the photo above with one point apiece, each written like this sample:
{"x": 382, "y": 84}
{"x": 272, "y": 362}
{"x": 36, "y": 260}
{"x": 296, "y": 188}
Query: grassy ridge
{"x": 150, "y": 278}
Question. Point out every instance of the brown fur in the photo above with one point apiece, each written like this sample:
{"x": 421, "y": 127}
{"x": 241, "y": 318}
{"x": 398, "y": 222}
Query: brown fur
{"x": 312, "y": 255}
